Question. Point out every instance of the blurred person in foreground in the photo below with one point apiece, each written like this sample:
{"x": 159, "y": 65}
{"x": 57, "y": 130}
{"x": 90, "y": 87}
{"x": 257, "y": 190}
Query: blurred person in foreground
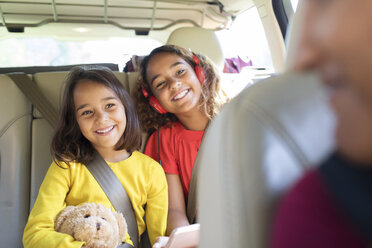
{"x": 331, "y": 206}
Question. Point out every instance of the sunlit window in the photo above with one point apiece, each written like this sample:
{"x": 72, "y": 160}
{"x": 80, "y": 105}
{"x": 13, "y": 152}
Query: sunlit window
{"x": 246, "y": 38}
{"x": 246, "y": 41}
{"x": 17, "y": 52}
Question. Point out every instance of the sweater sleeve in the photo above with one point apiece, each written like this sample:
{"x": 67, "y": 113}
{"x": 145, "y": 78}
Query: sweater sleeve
{"x": 39, "y": 231}
{"x": 157, "y": 203}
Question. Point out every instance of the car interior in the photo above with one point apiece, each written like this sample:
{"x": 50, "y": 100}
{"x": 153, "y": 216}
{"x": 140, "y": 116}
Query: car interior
{"x": 272, "y": 116}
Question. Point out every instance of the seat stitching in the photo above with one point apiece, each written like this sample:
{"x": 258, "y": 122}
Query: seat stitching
{"x": 6, "y": 127}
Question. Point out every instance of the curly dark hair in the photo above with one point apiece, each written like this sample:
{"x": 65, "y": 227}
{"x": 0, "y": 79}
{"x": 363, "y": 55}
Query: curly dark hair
{"x": 211, "y": 100}
{"x": 68, "y": 143}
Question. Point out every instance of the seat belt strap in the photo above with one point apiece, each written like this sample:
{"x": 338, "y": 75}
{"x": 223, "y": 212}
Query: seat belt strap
{"x": 30, "y": 89}
{"x": 116, "y": 193}
{"x": 125, "y": 245}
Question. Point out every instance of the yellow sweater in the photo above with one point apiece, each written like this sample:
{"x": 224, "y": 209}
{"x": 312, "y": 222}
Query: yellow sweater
{"x": 143, "y": 179}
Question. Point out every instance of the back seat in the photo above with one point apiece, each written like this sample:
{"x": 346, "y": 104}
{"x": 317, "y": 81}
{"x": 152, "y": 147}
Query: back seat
{"x": 25, "y": 135}
{"x": 25, "y": 148}
{"x": 15, "y": 155}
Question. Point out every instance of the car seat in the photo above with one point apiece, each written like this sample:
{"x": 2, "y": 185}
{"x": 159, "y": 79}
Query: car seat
{"x": 256, "y": 148}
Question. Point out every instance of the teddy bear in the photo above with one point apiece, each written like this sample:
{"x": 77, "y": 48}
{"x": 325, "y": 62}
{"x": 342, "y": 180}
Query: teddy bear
{"x": 92, "y": 223}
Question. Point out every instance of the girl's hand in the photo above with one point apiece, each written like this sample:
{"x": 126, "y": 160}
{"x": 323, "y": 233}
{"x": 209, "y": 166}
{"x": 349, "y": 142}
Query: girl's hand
{"x": 160, "y": 242}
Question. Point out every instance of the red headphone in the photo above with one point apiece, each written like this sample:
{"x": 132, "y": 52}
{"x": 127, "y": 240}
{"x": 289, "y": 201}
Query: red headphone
{"x": 198, "y": 70}
{"x": 156, "y": 104}
{"x": 153, "y": 101}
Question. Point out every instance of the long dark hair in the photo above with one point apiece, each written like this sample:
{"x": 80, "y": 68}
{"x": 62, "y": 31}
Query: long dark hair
{"x": 211, "y": 100}
{"x": 68, "y": 143}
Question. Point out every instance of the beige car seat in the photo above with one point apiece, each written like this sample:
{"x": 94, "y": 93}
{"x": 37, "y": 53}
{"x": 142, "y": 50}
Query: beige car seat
{"x": 257, "y": 147}
{"x": 15, "y": 155}
{"x": 199, "y": 40}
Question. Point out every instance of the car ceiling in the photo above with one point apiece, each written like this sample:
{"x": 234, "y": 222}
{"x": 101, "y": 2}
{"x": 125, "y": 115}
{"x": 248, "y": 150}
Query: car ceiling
{"x": 110, "y": 17}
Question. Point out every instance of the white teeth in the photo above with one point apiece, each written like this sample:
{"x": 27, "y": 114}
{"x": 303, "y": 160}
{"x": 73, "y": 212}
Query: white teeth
{"x": 105, "y": 130}
{"x": 180, "y": 95}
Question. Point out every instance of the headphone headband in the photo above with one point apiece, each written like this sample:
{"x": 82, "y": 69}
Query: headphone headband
{"x": 196, "y": 60}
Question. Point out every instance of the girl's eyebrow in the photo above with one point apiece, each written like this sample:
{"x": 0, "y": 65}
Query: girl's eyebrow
{"x": 81, "y": 106}
{"x": 157, "y": 75}
{"x": 109, "y": 98}
{"x": 104, "y": 99}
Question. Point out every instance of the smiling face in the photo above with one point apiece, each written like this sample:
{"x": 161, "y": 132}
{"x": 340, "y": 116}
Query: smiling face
{"x": 100, "y": 114}
{"x": 336, "y": 41}
{"x": 174, "y": 83}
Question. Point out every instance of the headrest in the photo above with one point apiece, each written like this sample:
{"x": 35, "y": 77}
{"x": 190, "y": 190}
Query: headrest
{"x": 51, "y": 85}
{"x": 199, "y": 40}
{"x": 257, "y": 147}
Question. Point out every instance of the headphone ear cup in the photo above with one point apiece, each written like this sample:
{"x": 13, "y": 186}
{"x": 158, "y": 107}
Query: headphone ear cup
{"x": 199, "y": 73}
{"x": 156, "y": 105}
{"x": 153, "y": 101}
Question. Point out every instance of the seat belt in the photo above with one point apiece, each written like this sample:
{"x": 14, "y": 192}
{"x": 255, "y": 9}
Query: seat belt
{"x": 30, "y": 89}
{"x": 116, "y": 193}
{"x": 103, "y": 174}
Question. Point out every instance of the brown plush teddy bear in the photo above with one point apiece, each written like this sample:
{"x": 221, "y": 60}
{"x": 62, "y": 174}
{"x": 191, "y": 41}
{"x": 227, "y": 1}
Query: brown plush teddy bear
{"x": 92, "y": 223}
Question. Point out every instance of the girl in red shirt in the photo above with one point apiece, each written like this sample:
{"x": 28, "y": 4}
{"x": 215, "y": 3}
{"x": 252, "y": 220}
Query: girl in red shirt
{"x": 178, "y": 94}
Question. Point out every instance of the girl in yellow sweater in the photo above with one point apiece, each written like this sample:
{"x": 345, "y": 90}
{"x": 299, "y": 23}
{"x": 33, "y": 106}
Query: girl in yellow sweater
{"x": 97, "y": 115}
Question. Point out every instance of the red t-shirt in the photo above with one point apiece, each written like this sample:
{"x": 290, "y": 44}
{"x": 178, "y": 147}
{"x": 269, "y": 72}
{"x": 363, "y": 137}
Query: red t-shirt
{"x": 178, "y": 150}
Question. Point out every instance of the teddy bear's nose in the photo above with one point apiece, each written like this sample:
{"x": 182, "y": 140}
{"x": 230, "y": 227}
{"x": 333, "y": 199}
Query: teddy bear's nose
{"x": 98, "y": 226}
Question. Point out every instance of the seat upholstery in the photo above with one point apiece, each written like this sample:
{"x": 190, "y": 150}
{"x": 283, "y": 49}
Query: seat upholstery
{"x": 15, "y": 141}
{"x": 199, "y": 40}
{"x": 260, "y": 143}
{"x": 132, "y": 81}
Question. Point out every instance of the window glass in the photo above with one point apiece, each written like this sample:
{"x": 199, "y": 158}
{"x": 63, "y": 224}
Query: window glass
{"x": 43, "y": 51}
{"x": 245, "y": 40}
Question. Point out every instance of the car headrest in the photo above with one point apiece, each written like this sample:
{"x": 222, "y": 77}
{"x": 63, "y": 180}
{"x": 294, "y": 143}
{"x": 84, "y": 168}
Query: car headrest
{"x": 257, "y": 147}
{"x": 199, "y": 40}
{"x": 51, "y": 85}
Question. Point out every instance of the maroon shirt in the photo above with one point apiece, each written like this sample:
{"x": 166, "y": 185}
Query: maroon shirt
{"x": 309, "y": 217}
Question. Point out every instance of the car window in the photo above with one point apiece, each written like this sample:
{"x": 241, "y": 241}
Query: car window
{"x": 245, "y": 41}
{"x": 246, "y": 38}
{"x": 46, "y": 51}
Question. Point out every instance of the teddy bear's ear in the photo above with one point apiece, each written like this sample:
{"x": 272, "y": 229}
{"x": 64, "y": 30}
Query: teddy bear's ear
{"x": 122, "y": 224}
{"x": 62, "y": 216}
